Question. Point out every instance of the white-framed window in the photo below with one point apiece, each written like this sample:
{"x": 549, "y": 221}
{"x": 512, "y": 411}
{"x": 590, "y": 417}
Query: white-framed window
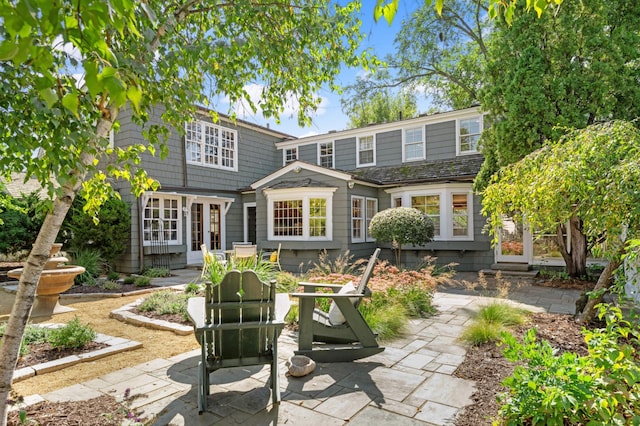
{"x": 162, "y": 220}
{"x": 429, "y": 205}
{"x": 362, "y": 211}
{"x": 211, "y": 145}
{"x": 290, "y": 155}
{"x": 449, "y": 206}
{"x": 366, "y": 151}
{"x": 468, "y": 134}
{"x": 371, "y": 210}
{"x": 413, "y": 146}
{"x": 325, "y": 154}
{"x": 296, "y": 215}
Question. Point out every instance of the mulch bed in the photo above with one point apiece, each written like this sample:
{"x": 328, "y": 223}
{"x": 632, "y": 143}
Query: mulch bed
{"x": 487, "y": 367}
{"x": 104, "y": 411}
{"x": 177, "y": 318}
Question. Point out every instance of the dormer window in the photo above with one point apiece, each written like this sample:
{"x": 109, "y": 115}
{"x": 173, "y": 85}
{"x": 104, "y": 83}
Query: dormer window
{"x": 366, "y": 155}
{"x": 413, "y": 144}
{"x": 325, "y": 154}
{"x": 469, "y": 131}
{"x": 290, "y": 155}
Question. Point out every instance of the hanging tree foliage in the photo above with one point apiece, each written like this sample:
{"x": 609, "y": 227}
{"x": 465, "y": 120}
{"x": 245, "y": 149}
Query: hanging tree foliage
{"x": 592, "y": 175}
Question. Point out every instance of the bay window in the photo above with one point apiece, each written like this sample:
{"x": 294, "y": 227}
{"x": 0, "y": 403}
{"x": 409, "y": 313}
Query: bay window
{"x": 293, "y": 215}
{"x": 449, "y": 206}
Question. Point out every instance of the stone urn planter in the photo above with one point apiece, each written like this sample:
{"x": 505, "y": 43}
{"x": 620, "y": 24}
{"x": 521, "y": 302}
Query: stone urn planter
{"x": 56, "y": 278}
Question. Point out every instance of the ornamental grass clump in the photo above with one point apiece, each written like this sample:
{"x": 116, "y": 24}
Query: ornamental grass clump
{"x": 491, "y": 321}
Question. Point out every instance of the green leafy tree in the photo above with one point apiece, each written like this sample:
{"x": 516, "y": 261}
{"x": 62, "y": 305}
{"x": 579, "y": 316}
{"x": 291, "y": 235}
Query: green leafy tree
{"x": 110, "y": 235}
{"x": 590, "y": 175}
{"x": 400, "y": 226}
{"x": 506, "y": 8}
{"x": 444, "y": 52}
{"x": 20, "y": 223}
{"x": 565, "y": 70}
{"x": 367, "y": 103}
{"x": 68, "y": 67}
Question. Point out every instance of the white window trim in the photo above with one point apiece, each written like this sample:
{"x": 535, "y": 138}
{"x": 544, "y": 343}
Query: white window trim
{"x": 178, "y": 241}
{"x": 368, "y": 237}
{"x": 364, "y": 229}
{"x": 358, "y": 163}
{"x": 284, "y": 155}
{"x": 404, "y": 144}
{"x": 333, "y": 153}
{"x": 202, "y": 147}
{"x": 458, "y": 148}
{"x": 445, "y": 192}
{"x": 297, "y": 194}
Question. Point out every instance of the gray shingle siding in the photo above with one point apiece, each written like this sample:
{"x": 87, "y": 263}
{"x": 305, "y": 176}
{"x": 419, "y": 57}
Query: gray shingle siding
{"x": 441, "y": 141}
{"x": 389, "y": 148}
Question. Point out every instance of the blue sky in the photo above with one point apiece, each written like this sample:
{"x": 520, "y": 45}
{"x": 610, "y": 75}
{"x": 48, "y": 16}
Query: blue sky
{"x": 379, "y": 38}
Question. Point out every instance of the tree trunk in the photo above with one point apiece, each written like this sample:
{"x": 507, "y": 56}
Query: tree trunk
{"x": 604, "y": 282}
{"x": 574, "y": 255}
{"x": 26, "y": 294}
{"x": 35, "y": 264}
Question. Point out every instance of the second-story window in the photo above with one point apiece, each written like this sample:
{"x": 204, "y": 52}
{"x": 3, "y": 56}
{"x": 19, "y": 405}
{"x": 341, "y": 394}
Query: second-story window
{"x": 211, "y": 145}
{"x": 469, "y": 131}
{"x": 325, "y": 154}
{"x": 366, "y": 151}
{"x": 290, "y": 155}
{"x": 413, "y": 145}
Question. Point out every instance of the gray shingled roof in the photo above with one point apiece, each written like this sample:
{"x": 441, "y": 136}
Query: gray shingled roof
{"x": 460, "y": 168}
{"x": 303, "y": 183}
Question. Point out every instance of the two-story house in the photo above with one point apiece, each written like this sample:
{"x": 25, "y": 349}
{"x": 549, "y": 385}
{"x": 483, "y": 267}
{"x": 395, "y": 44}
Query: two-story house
{"x": 235, "y": 181}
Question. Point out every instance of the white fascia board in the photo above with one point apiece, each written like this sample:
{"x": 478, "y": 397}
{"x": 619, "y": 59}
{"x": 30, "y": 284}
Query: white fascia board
{"x": 378, "y": 128}
{"x": 291, "y": 167}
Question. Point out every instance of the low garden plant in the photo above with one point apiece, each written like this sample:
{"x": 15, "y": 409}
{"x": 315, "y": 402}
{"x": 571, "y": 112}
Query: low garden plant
{"x": 491, "y": 321}
{"x": 72, "y": 335}
{"x": 166, "y": 302}
{"x": 157, "y": 272}
{"x": 602, "y": 387}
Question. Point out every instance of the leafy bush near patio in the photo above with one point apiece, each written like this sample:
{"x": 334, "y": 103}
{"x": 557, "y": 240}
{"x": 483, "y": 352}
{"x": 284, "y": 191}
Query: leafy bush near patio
{"x": 602, "y": 387}
{"x": 91, "y": 261}
{"x": 156, "y": 272}
{"x": 73, "y": 335}
{"x": 286, "y": 282}
{"x": 110, "y": 235}
{"x": 142, "y": 281}
{"x": 166, "y": 302}
{"x": 32, "y": 335}
{"x": 20, "y": 226}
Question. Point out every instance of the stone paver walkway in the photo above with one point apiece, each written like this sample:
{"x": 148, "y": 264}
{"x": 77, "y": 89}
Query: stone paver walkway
{"x": 410, "y": 383}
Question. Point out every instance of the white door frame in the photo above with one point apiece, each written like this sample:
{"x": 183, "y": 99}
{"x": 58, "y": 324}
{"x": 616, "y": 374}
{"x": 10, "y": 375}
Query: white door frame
{"x": 195, "y": 256}
{"x": 527, "y": 247}
{"x": 245, "y": 221}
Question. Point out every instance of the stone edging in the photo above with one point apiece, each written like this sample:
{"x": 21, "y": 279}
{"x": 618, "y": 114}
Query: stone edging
{"x": 115, "y": 345}
{"x": 124, "y": 314}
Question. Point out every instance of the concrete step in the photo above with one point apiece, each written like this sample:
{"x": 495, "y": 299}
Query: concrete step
{"x": 510, "y": 273}
{"x": 506, "y": 266}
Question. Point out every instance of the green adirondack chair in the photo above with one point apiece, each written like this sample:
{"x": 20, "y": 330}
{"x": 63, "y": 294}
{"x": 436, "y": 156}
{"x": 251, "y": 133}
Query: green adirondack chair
{"x": 345, "y": 340}
{"x": 236, "y": 325}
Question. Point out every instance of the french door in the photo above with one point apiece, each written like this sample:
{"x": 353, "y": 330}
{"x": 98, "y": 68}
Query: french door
{"x": 514, "y": 243}
{"x": 205, "y": 227}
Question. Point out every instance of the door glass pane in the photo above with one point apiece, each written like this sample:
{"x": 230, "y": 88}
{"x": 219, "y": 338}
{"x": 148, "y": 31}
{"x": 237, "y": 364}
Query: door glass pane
{"x": 196, "y": 227}
{"x": 511, "y": 237}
